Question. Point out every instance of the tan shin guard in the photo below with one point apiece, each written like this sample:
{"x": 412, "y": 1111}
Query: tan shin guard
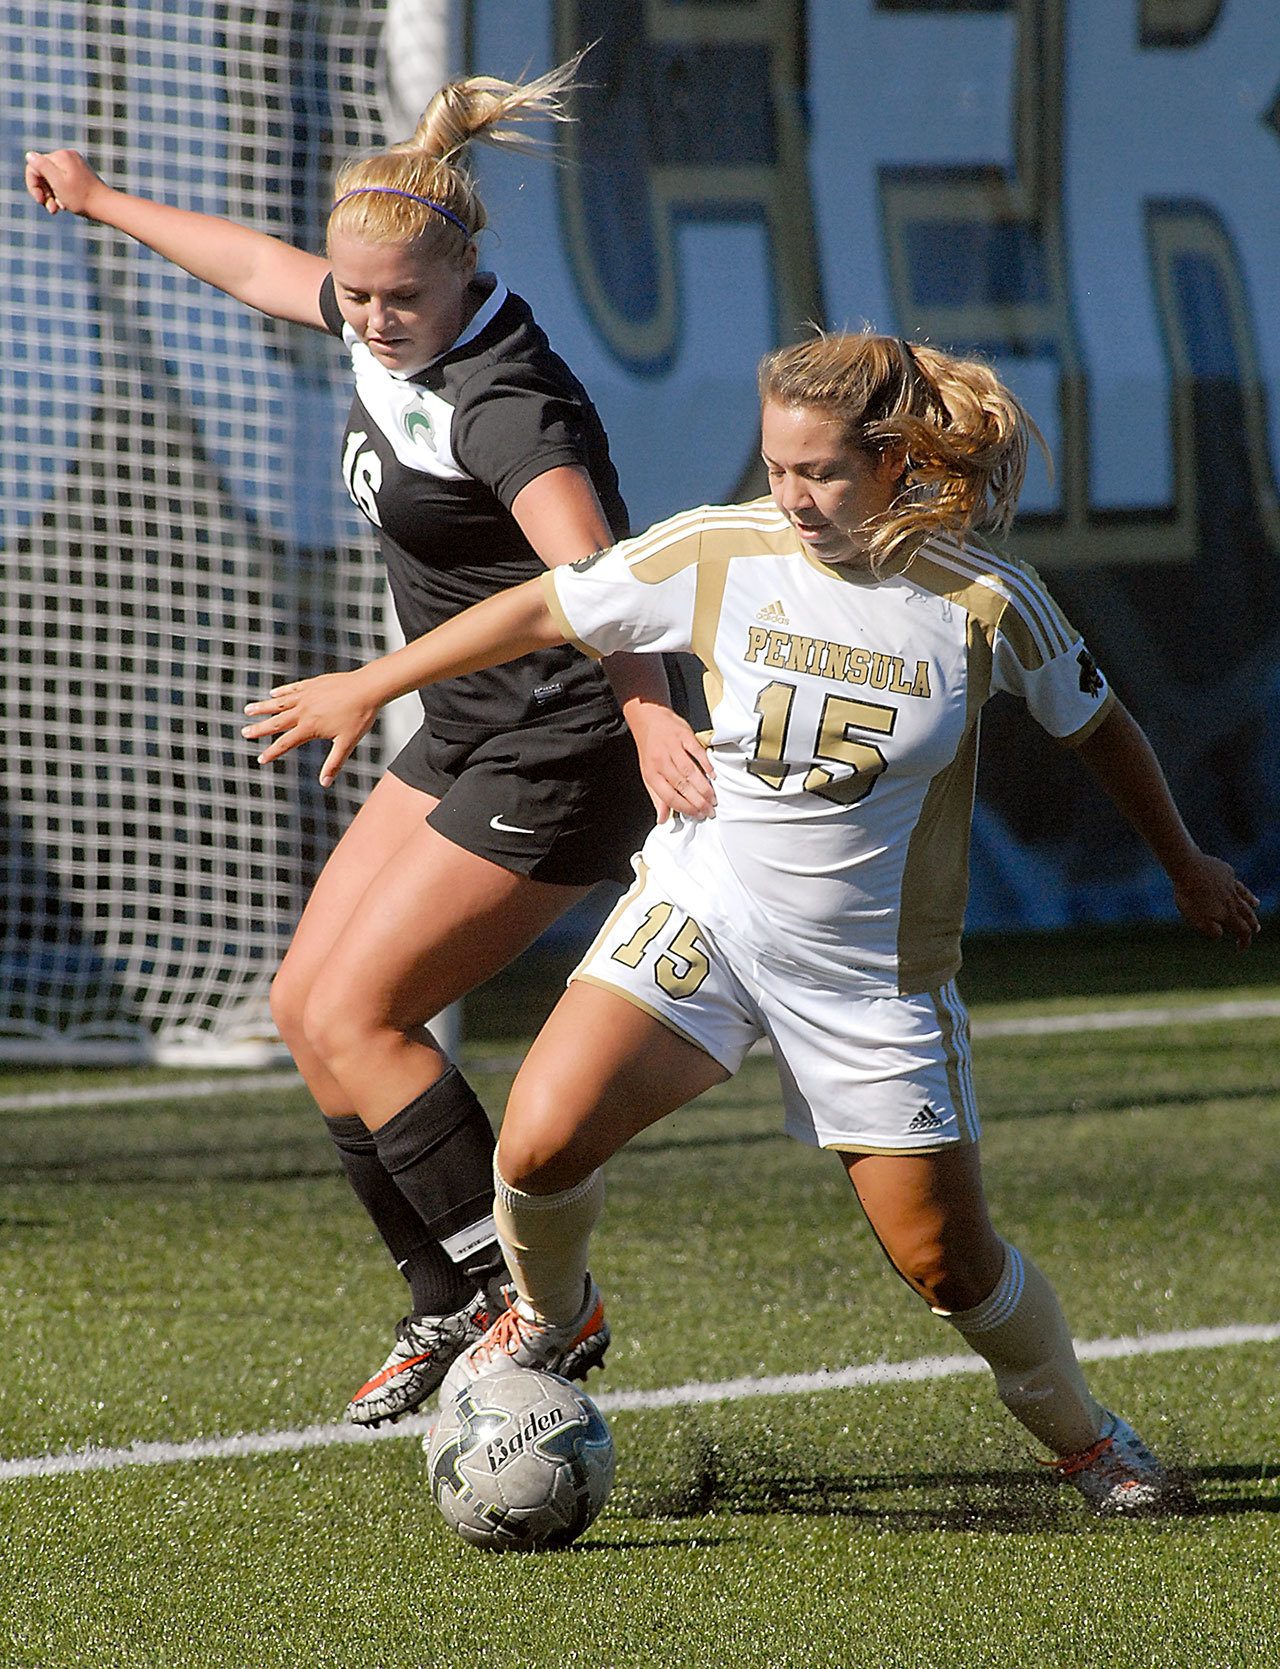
{"x": 545, "y": 1239}
{"x": 1021, "y": 1331}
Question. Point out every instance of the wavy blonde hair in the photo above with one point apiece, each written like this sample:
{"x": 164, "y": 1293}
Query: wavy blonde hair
{"x": 964, "y": 436}
{"x": 429, "y": 163}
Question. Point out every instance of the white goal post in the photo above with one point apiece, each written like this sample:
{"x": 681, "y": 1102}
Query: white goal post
{"x": 174, "y": 534}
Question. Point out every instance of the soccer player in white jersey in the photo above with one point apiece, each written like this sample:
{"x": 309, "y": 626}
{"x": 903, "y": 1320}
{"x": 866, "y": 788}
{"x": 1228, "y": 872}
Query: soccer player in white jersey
{"x": 851, "y": 632}
{"x": 476, "y": 456}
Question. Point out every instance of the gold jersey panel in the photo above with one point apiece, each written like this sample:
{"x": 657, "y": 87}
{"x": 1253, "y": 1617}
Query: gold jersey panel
{"x": 844, "y": 719}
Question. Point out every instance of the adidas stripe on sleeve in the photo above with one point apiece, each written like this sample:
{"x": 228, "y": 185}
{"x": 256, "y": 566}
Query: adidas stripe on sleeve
{"x": 1038, "y": 655}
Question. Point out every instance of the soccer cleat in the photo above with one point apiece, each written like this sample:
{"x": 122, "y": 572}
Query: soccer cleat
{"x": 519, "y": 1340}
{"x": 424, "y": 1348}
{"x": 1119, "y": 1476}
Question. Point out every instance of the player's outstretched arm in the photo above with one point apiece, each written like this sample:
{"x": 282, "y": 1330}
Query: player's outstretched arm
{"x": 560, "y": 515}
{"x": 251, "y": 266}
{"x": 341, "y": 706}
{"x": 1206, "y": 890}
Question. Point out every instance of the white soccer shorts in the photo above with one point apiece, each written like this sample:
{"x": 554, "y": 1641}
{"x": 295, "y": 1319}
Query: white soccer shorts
{"x": 862, "y": 1068}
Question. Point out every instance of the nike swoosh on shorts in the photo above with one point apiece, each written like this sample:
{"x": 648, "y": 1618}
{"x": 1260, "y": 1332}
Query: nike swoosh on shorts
{"x": 495, "y": 822}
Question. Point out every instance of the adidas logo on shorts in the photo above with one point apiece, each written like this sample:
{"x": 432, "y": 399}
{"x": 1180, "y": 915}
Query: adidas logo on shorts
{"x": 774, "y": 613}
{"x": 925, "y": 1119}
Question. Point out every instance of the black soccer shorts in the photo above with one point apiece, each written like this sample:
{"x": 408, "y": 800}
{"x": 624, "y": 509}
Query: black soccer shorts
{"x": 543, "y": 801}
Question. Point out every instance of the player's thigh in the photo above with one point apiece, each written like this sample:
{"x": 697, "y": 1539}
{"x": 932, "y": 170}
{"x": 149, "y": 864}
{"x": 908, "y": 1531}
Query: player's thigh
{"x": 601, "y": 1070}
{"x": 884, "y": 1080}
{"x": 654, "y": 1015}
{"x": 386, "y": 820}
{"x": 433, "y": 923}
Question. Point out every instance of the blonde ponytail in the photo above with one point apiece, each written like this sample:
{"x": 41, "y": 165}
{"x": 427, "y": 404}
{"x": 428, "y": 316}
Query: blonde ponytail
{"x": 487, "y": 110}
{"x": 965, "y": 438}
{"x": 420, "y": 188}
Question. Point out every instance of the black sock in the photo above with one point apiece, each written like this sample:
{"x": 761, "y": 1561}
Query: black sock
{"x": 439, "y": 1151}
{"x": 437, "y": 1285}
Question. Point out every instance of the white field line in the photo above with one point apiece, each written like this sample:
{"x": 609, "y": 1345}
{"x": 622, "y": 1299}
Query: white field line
{"x": 1128, "y": 1019}
{"x": 176, "y": 1090}
{"x": 1032, "y": 1025}
{"x": 613, "y": 1402}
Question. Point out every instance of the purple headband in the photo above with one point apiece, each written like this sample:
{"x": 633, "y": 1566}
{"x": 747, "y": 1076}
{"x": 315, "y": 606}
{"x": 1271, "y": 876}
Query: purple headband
{"x": 395, "y": 191}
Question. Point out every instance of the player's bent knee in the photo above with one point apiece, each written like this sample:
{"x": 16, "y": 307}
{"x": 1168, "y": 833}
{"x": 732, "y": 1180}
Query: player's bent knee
{"x": 925, "y": 1280}
{"x": 335, "y": 1024}
{"x": 957, "y": 1289}
{"x": 952, "y": 1285}
{"x": 539, "y": 1159}
{"x": 944, "y": 1279}
{"x": 288, "y": 1004}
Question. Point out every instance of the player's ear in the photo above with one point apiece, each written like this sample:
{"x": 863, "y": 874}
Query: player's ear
{"x": 891, "y": 463}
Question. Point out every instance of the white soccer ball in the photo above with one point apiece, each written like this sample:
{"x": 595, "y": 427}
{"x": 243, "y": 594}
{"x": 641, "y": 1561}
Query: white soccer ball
{"x": 520, "y": 1461}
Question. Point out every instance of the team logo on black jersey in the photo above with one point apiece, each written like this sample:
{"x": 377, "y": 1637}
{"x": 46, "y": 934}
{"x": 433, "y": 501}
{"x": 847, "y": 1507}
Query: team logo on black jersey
{"x": 420, "y": 429}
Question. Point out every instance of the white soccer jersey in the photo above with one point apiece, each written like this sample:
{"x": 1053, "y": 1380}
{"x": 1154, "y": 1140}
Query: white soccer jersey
{"x": 844, "y": 717}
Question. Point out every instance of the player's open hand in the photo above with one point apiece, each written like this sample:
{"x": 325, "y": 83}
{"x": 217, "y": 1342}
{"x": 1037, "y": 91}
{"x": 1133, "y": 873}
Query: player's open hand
{"x": 1215, "y": 901}
{"x": 335, "y": 707}
{"x": 676, "y": 768}
{"x": 61, "y": 180}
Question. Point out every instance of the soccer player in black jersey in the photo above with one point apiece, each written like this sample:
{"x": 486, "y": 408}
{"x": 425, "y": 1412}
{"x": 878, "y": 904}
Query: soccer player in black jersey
{"x": 477, "y": 456}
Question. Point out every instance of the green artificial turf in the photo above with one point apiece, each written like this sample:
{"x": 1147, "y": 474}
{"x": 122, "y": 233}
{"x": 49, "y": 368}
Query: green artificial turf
{"x": 195, "y": 1267}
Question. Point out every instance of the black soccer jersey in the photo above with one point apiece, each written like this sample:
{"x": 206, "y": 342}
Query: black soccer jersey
{"x": 435, "y": 460}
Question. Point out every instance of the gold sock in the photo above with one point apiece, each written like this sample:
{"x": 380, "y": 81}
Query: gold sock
{"x": 1021, "y": 1331}
{"x": 545, "y": 1240}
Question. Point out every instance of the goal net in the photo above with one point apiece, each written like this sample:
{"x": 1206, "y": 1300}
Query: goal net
{"x": 173, "y": 531}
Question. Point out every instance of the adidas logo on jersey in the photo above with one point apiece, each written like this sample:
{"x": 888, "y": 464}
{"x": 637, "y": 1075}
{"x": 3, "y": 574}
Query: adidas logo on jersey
{"x": 774, "y": 613}
{"x": 925, "y": 1119}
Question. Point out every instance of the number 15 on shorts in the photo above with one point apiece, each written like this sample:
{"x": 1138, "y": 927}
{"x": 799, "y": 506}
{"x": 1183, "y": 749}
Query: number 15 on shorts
{"x": 683, "y": 965}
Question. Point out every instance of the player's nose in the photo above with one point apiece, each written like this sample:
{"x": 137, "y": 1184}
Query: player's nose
{"x": 792, "y": 494}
